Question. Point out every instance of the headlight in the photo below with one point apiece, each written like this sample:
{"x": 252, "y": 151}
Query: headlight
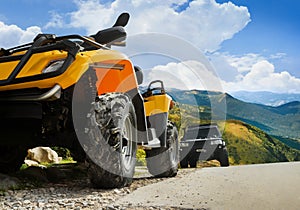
{"x": 53, "y": 66}
{"x": 182, "y": 144}
{"x": 215, "y": 142}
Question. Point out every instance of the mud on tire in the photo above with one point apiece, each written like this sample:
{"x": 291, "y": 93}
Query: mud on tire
{"x": 110, "y": 141}
{"x": 163, "y": 162}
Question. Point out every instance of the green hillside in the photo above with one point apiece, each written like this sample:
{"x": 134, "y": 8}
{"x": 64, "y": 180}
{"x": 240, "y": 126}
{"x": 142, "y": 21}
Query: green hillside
{"x": 248, "y": 145}
{"x": 246, "y": 142}
{"x": 282, "y": 121}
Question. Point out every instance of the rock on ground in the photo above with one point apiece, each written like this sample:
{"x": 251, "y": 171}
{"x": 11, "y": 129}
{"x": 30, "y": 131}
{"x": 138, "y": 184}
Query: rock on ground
{"x": 43, "y": 155}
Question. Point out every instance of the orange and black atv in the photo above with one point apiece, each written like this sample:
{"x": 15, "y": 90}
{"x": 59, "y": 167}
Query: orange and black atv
{"x": 76, "y": 92}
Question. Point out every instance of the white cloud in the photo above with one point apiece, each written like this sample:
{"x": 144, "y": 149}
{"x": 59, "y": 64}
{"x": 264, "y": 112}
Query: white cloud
{"x": 57, "y": 20}
{"x": 185, "y": 75}
{"x": 244, "y": 63}
{"x": 92, "y": 16}
{"x": 205, "y": 23}
{"x": 262, "y": 77}
{"x": 278, "y": 56}
{"x": 253, "y": 72}
{"x": 12, "y": 35}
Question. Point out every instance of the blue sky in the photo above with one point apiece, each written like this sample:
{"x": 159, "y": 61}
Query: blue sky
{"x": 253, "y": 44}
{"x": 274, "y": 28}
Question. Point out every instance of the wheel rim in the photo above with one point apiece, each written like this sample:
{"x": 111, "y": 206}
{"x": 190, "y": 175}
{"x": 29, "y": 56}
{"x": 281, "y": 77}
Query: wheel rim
{"x": 127, "y": 144}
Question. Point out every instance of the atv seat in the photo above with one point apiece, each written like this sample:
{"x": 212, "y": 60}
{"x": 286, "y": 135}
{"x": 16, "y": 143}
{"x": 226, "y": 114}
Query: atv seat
{"x": 109, "y": 35}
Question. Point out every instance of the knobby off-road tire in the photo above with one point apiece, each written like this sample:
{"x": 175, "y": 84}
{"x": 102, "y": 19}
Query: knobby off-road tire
{"x": 111, "y": 144}
{"x": 163, "y": 162}
{"x": 223, "y": 157}
{"x": 193, "y": 163}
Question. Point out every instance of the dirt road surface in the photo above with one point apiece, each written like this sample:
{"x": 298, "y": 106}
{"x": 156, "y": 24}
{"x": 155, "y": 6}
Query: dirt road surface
{"x": 265, "y": 186}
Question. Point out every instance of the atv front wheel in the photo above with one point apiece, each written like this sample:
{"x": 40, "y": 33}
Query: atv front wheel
{"x": 163, "y": 162}
{"x": 112, "y": 141}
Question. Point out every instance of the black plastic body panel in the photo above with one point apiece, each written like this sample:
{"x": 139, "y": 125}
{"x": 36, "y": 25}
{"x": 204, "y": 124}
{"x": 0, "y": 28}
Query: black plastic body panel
{"x": 138, "y": 103}
{"x": 159, "y": 123}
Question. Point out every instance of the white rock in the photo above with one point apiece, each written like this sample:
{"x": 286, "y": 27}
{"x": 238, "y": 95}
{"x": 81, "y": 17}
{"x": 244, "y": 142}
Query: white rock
{"x": 43, "y": 155}
{"x": 26, "y": 202}
{"x": 31, "y": 162}
{"x": 117, "y": 191}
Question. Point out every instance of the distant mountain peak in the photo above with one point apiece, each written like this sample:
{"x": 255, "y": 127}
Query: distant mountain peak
{"x": 290, "y": 104}
{"x": 266, "y": 98}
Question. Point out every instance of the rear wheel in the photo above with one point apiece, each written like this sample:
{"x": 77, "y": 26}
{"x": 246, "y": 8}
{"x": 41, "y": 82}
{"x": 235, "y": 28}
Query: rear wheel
{"x": 223, "y": 157}
{"x": 184, "y": 163}
{"x": 111, "y": 141}
{"x": 163, "y": 162}
{"x": 193, "y": 163}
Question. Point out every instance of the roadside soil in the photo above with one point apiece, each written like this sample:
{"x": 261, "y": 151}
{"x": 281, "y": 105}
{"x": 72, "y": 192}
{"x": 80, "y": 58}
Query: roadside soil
{"x": 68, "y": 188}
{"x": 265, "y": 186}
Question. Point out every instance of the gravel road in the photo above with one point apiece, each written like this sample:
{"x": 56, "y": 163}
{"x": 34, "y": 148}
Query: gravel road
{"x": 75, "y": 193}
{"x": 267, "y": 186}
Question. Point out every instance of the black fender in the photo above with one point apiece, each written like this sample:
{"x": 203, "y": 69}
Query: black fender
{"x": 159, "y": 122}
{"x": 138, "y": 103}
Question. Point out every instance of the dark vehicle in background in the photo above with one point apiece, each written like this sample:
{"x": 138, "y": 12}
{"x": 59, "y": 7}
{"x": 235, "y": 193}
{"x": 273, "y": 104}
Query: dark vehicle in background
{"x": 202, "y": 142}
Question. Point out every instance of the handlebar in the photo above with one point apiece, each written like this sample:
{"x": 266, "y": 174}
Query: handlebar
{"x": 101, "y": 38}
{"x": 152, "y": 90}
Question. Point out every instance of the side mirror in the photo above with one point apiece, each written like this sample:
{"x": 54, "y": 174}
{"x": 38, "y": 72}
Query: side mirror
{"x": 139, "y": 74}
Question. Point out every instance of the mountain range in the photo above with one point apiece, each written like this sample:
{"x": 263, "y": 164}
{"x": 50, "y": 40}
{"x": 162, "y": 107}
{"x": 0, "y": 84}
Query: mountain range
{"x": 266, "y": 98}
{"x": 282, "y": 121}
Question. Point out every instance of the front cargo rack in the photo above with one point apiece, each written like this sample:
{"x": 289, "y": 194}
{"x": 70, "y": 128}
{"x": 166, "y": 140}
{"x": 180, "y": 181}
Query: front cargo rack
{"x": 44, "y": 43}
